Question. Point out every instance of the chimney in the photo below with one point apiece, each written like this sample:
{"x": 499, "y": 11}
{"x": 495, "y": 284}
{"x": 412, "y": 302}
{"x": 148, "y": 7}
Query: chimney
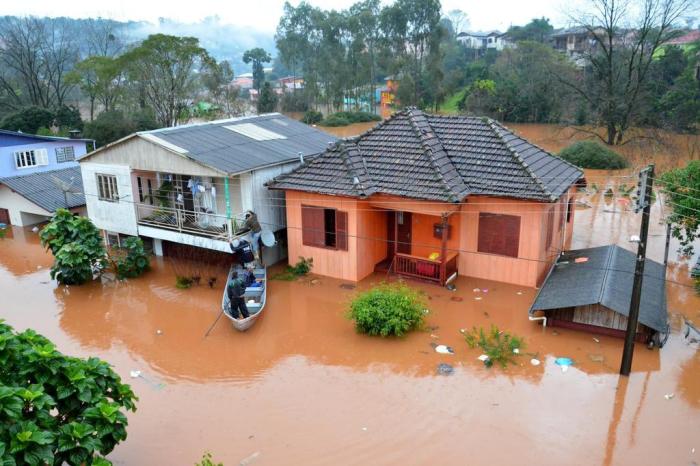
{"x": 74, "y": 133}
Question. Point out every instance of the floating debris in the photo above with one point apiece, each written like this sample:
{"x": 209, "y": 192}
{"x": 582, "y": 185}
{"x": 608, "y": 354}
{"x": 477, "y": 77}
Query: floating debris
{"x": 485, "y": 290}
{"x": 135, "y": 374}
{"x": 451, "y": 287}
{"x": 426, "y": 312}
{"x": 519, "y": 293}
{"x": 159, "y": 332}
{"x": 516, "y": 350}
{"x": 249, "y": 459}
{"x": 365, "y": 429}
{"x": 564, "y": 363}
{"x": 476, "y": 290}
{"x": 457, "y": 299}
{"x": 478, "y": 298}
{"x": 347, "y": 286}
{"x": 35, "y": 229}
{"x": 669, "y": 396}
{"x": 596, "y": 340}
{"x": 445, "y": 369}
{"x": 535, "y": 362}
{"x": 596, "y": 357}
{"x": 483, "y": 358}
{"x": 432, "y": 335}
{"x": 315, "y": 281}
{"x": 443, "y": 349}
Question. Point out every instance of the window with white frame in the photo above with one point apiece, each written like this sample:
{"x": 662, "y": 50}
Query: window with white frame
{"x": 31, "y": 158}
{"x": 107, "y": 188}
{"x": 65, "y": 154}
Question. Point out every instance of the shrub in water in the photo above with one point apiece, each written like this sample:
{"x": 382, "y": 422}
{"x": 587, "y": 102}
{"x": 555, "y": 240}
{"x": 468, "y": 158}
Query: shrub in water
{"x": 130, "y": 260}
{"x": 497, "y": 345}
{"x": 387, "y": 310}
{"x": 293, "y": 271}
{"x": 312, "y": 117}
{"x": 590, "y": 154}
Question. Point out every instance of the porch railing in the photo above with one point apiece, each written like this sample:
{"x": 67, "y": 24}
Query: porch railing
{"x": 425, "y": 269}
{"x": 205, "y": 224}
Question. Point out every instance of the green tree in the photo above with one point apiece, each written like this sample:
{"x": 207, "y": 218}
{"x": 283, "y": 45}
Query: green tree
{"x": 164, "y": 66}
{"x": 113, "y": 125}
{"x": 67, "y": 117}
{"x": 76, "y": 245}
{"x": 267, "y": 100}
{"x": 537, "y": 30}
{"x": 257, "y": 56}
{"x": 57, "y": 409}
{"x": 28, "y": 120}
{"x": 682, "y": 186}
{"x": 101, "y": 79}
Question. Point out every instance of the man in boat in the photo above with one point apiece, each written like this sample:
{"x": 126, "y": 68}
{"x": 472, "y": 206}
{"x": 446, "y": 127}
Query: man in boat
{"x": 252, "y": 224}
{"x": 236, "y": 296}
{"x": 242, "y": 251}
{"x": 249, "y": 279}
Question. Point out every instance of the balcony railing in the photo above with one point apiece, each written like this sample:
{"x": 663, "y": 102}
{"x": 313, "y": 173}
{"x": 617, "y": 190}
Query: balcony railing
{"x": 425, "y": 269}
{"x": 205, "y": 224}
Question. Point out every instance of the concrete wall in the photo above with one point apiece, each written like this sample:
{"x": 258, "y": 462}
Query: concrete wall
{"x": 119, "y": 216}
{"x": 22, "y": 211}
{"x": 10, "y": 144}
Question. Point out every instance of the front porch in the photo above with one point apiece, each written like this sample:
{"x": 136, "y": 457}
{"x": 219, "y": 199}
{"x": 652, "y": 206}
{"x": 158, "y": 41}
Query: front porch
{"x": 421, "y": 246}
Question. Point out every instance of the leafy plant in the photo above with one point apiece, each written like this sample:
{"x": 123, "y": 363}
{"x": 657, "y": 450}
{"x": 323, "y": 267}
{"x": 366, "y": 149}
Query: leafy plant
{"x": 76, "y": 245}
{"x": 130, "y": 260}
{"x": 681, "y": 187}
{"x": 347, "y": 118}
{"x": 387, "y": 310}
{"x": 499, "y": 346}
{"x": 302, "y": 267}
{"x": 590, "y": 154}
{"x": 182, "y": 282}
{"x": 208, "y": 461}
{"x": 312, "y": 117}
{"x": 56, "y": 409}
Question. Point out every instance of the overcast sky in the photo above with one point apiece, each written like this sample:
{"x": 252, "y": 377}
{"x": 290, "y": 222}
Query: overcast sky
{"x": 264, "y": 14}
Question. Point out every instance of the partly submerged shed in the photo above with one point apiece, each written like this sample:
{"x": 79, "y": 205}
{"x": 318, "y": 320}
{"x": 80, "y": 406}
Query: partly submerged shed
{"x": 590, "y": 289}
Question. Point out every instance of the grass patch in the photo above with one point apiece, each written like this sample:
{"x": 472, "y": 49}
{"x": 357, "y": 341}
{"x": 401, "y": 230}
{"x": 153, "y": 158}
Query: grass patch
{"x": 387, "y": 310}
{"x": 292, "y": 272}
{"x": 590, "y": 154}
{"x": 451, "y": 105}
{"x": 499, "y": 346}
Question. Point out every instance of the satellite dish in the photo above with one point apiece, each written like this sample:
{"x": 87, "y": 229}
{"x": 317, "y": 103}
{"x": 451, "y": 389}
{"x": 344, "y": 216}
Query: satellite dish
{"x": 268, "y": 238}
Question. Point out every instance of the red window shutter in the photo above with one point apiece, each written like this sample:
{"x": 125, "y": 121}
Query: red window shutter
{"x": 312, "y": 229}
{"x": 499, "y": 234}
{"x": 341, "y": 230}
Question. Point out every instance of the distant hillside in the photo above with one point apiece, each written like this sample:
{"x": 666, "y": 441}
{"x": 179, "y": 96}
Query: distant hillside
{"x": 223, "y": 41}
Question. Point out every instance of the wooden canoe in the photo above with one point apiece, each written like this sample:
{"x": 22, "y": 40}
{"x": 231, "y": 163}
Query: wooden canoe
{"x": 254, "y": 296}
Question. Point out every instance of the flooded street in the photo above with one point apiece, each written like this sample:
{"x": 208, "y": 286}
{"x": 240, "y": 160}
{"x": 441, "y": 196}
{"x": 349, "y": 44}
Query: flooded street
{"x": 301, "y": 387}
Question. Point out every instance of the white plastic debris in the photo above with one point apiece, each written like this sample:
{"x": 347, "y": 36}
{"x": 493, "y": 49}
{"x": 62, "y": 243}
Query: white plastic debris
{"x": 426, "y": 312}
{"x": 476, "y": 290}
{"x": 135, "y": 374}
{"x": 35, "y": 229}
{"x": 596, "y": 340}
{"x": 432, "y": 335}
{"x": 483, "y": 358}
{"x": 443, "y": 349}
{"x": 668, "y": 396}
{"x": 535, "y": 362}
{"x": 365, "y": 429}
{"x": 519, "y": 293}
{"x": 635, "y": 239}
{"x": 159, "y": 332}
{"x": 516, "y": 350}
{"x": 478, "y": 298}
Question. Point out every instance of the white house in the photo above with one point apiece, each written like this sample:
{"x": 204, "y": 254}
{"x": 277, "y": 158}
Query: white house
{"x": 192, "y": 184}
{"x": 484, "y": 40}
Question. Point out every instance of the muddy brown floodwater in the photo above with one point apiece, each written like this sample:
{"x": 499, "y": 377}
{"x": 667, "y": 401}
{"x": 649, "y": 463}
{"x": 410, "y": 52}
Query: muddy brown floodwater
{"x": 301, "y": 387}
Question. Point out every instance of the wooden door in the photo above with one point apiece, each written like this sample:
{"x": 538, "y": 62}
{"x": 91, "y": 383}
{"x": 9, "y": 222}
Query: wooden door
{"x": 5, "y": 216}
{"x": 403, "y": 232}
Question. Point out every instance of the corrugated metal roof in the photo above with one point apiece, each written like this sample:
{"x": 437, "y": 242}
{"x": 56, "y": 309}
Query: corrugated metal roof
{"x": 247, "y": 147}
{"x": 605, "y": 278}
{"x": 43, "y": 190}
{"x": 42, "y": 138}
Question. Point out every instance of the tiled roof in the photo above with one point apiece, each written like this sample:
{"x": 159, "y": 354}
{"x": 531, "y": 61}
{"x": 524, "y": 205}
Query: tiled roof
{"x": 433, "y": 157}
{"x": 43, "y": 188}
{"x": 605, "y": 278}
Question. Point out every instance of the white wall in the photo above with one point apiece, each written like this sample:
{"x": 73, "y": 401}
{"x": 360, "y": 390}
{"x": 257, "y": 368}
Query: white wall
{"x": 268, "y": 204}
{"x": 118, "y": 217}
{"x": 22, "y": 211}
{"x": 184, "y": 238}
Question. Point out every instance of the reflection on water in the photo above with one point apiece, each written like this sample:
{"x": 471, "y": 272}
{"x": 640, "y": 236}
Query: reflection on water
{"x": 302, "y": 387}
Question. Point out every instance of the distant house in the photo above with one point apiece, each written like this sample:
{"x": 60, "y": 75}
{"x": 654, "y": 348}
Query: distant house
{"x": 35, "y": 171}
{"x": 430, "y": 197}
{"x": 290, "y": 83}
{"x": 590, "y": 289}
{"x": 495, "y": 40}
{"x": 386, "y": 95}
{"x": 685, "y": 40}
{"x": 192, "y": 184}
{"x": 244, "y": 81}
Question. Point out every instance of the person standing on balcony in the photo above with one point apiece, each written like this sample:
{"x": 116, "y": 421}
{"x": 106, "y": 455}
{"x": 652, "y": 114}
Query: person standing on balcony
{"x": 252, "y": 224}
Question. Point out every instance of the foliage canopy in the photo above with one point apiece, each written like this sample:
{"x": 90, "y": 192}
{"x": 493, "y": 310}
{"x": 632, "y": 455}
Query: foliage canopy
{"x": 387, "y": 310}
{"x": 57, "y": 409}
{"x": 590, "y": 154}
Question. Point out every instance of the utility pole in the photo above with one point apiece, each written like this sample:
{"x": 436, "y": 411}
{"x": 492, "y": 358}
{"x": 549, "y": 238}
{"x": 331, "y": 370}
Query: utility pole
{"x": 646, "y": 179}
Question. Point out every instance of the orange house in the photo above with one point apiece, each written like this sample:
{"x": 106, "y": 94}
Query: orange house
{"x": 430, "y": 197}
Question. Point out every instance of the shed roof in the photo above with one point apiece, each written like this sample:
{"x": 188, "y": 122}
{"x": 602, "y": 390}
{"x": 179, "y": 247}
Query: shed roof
{"x": 435, "y": 157}
{"x": 238, "y": 145}
{"x": 42, "y": 138}
{"x": 605, "y": 278}
{"x": 43, "y": 189}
